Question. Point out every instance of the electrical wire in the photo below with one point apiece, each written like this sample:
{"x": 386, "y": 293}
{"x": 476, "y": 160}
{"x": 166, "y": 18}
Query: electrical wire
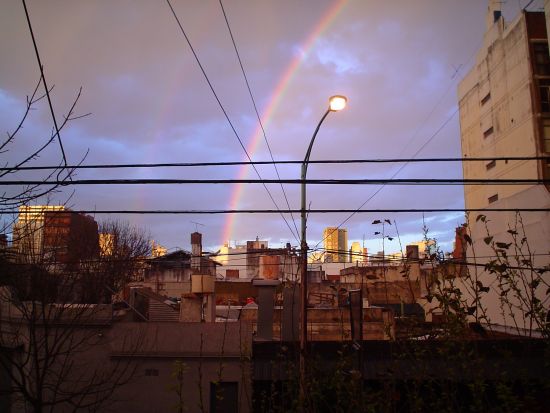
{"x": 391, "y": 181}
{"x": 224, "y": 111}
{"x": 275, "y": 211}
{"x": 423, "y": 146}
{"x": 387, "y": 258}
{"x": 256, "y": 111}
{"x": 284, "y": 162}
{"x": 45, "y": 85}
{"x": 393, "y": 176}
{"x": 414, "y": 136}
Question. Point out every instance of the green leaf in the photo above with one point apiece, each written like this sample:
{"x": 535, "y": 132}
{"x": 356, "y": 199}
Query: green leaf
{"x": 503, "y": 245}
{"x": 501, "y": 267}
{"x": 481, "y": 218}
{"x": 490, "y": 265}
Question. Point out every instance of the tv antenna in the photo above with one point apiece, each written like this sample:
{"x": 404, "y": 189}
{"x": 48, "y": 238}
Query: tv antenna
{"x": 197, "y": 225}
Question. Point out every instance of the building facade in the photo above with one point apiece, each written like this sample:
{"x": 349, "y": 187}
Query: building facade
{"x": 335, "y": 242}
{"x": 358, "y": 254}
{"x": 504, "y": 104}
{"x": 54, "y": 233}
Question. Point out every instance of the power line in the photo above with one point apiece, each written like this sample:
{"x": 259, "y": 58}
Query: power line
{"x": 392, "y": 257}
{"x": 387, "y": 258}
{"x": 45, "y": 84}
{"x": 283, "y": 162}
{"x": 396, "y": 173}
{"x": 164, "y": 181}
{"x": 276, "y": 211}
{"x": 256, "y": 110}
{"x": 412, "y": 139}
{"x": 223, "y": 109}
{"x": 240, "y": 254}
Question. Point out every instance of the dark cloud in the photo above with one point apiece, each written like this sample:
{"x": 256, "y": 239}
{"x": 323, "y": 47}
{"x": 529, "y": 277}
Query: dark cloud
{"x": 396, "y": 61}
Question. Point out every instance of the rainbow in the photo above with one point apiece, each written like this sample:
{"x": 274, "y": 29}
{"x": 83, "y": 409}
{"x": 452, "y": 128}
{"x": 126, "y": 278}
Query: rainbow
{"x": 276, "y": 98}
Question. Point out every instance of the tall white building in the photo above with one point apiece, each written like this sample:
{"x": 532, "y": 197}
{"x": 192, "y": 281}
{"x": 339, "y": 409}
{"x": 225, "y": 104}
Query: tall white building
{"x": 504, "y": 106}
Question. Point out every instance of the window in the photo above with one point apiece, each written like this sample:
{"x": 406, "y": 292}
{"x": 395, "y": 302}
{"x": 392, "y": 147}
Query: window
{"x": 486, "y": 99}
{"x": 491, "y": 165}
{"x": 488, "y": 132}
{"x": 544, "y": 95}
{"x": 542, "y": 59}
{"x": 231, "y": 273}
{"x": 224, "y": 397}
{"x": 546, "y": 136}
{"x": 493, "y": 198}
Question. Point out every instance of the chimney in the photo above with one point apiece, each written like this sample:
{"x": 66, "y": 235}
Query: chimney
{"x": 196, "y": 251}
{"x": 412, "y": 253}
{"x": 266, "y": 302}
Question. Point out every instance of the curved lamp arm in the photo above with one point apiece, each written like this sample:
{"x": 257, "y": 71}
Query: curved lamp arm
{"x": 308, "y": 153}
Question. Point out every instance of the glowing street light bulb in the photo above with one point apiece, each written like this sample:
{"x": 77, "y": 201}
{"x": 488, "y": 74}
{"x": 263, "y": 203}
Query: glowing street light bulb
{"x": 337, "y": 103}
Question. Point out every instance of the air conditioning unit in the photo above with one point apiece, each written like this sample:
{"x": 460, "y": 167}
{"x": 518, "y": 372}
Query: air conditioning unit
{"x": 202, "y": 284}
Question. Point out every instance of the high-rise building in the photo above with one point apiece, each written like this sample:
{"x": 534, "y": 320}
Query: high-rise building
{"x": 504, "y": 104}
{"x": 55, "y": 234}
{"x": 28, "y": 230}
{"x": 358, "y": 254}
{"x": 336, "y": 244}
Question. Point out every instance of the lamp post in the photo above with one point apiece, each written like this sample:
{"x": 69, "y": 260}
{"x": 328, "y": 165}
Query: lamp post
{"x": 336, "y": 103}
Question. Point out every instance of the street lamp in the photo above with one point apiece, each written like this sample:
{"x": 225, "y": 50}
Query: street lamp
{"x": 336, "y": 103}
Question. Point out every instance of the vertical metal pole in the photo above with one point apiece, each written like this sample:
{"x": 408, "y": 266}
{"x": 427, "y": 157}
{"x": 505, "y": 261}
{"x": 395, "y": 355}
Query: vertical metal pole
{"x": 303, "y": 279}
{"x": 303, "y": 292}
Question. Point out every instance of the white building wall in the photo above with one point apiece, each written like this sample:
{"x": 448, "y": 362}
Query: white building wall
{"x": 498, "y": 119}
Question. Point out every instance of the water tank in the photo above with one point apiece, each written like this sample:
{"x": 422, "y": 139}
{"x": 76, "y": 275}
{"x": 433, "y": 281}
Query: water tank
{"x": 270, "y": 267}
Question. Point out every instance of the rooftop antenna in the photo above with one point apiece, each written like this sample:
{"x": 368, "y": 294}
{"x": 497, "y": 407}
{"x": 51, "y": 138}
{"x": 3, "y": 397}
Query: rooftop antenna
{"x": 197, "y": 225}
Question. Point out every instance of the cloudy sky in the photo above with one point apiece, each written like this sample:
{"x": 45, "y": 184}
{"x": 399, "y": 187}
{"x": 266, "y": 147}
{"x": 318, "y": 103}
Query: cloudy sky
{"x": 398, "y": 62}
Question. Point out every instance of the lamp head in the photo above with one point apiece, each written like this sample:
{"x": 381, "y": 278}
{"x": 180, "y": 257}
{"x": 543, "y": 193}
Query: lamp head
{"x": 337, "y": 103}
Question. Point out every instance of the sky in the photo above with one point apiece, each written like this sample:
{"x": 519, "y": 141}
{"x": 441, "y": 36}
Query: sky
{"x": 398, "y": 63}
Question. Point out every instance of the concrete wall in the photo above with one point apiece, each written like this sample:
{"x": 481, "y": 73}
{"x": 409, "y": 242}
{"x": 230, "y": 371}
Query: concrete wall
{"x": 148, "y": 352}
{"x": 333, "y": 324}
{"x": 224, "y": 354}
{"x": 500, "y": 116}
